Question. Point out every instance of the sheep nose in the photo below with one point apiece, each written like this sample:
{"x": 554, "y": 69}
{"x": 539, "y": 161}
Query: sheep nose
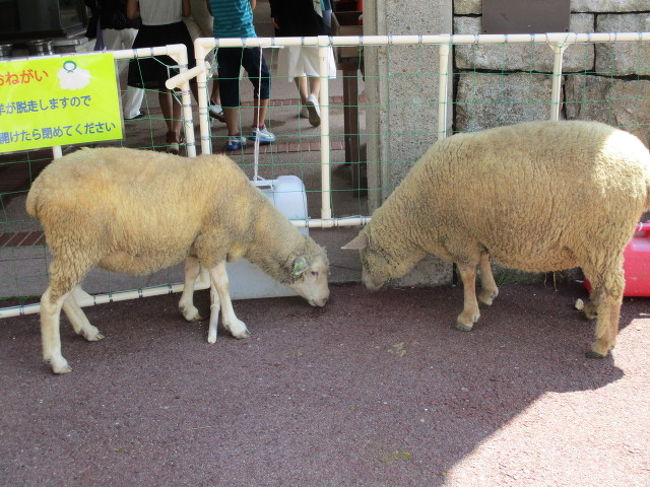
{"x": 320, "y": 302}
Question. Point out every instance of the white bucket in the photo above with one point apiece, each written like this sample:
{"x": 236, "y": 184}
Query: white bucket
{"x": 287, "y": 193}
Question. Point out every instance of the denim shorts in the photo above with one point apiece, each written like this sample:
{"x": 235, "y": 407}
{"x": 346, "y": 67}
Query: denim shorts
{"x": 230, "y": 59}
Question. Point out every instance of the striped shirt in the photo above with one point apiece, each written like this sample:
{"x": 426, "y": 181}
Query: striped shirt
{"x": 232, "y": 18}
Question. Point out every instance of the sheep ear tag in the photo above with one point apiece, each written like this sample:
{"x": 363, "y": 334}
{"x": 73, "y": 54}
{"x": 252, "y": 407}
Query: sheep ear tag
{"x": 299, "y": 266}
{"x": 359, "y": 242}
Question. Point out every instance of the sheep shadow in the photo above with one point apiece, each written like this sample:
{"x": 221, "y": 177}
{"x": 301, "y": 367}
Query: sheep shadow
{"x": 376, "y": 389}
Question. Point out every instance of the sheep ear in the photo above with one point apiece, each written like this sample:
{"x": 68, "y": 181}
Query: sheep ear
{"x": 299, "y": 266}
{"x": 359, "y": 242}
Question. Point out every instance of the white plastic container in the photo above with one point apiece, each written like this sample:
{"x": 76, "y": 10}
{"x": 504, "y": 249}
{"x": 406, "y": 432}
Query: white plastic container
{"x": 287, "y": 193}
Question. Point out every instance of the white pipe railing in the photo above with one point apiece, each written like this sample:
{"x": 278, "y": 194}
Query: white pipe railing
{"x": 324, "y": 102}
{"x": 558, "y": 49}
{"x": 443, "y": 87}
{"x": 565, "y": 38}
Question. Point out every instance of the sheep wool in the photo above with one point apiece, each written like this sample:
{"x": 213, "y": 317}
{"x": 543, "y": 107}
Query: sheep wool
{"x": 135, "y": 211}
{"x": 536, "y": 196}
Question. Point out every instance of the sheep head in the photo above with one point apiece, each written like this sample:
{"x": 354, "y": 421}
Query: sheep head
{"x": 309, "y": 274}
{"x": 375, "y": 265}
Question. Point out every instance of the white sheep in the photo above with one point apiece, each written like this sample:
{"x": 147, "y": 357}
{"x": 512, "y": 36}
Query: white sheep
{"x": 537, "y": 196}
{"x": 136, "y": 211}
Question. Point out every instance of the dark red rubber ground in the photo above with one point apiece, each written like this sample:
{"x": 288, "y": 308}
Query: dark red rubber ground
{"x": 374, "y": 390}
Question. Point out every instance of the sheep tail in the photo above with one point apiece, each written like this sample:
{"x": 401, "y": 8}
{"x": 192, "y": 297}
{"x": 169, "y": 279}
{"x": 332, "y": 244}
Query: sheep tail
{"x": 31, "y": 205}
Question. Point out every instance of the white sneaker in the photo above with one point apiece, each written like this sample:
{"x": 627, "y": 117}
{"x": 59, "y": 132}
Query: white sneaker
{"x": 314, "y": 110}
{"x": 235, "y": 142}
{"x": 263, "y": 134}
{"x": 216, "y": 111}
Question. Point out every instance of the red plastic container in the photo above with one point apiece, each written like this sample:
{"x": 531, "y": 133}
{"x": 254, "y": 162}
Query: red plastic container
{"x": 637, "y": 263}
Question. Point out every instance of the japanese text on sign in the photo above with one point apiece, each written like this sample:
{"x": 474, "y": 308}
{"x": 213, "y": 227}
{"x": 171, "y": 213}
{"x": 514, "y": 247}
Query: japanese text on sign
{"x": 58, "y": 101}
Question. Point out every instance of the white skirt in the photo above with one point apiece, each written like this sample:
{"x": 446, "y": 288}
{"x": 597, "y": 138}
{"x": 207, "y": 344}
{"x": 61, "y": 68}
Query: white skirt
{"x": 295, "y": 61}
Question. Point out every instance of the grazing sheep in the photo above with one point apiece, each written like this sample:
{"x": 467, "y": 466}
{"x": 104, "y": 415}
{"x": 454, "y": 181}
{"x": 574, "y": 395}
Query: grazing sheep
{"x": 135, "y": 212}
{"x": 538, "y": 196}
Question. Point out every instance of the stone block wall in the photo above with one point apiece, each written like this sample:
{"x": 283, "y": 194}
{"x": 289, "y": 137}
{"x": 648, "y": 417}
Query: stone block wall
{"x": 502, "y": 84}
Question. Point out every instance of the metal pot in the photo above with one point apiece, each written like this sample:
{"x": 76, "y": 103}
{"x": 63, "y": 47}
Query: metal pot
{"x": 39, "y": 47}
{"x": 5, "y": 50}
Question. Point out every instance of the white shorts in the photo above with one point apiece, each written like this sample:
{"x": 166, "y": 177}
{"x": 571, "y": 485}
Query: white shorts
{"x": 294, "y": 61}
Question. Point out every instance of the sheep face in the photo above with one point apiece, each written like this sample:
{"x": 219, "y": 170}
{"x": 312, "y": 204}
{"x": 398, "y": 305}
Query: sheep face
{"x": 311, "y": 280}
{"x": 375, "y": 265}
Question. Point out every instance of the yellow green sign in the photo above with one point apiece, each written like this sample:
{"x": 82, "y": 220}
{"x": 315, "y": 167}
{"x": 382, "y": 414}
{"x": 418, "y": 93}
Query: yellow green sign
{"x": 64, "y": 100}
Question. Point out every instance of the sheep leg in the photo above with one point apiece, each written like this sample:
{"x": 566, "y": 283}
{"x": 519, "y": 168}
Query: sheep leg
{"x": 607, "y": 297}
{"x": 470, "y": 314}
{"x": 590, "y": 309}
{"x": 51, "y": 305}
{"x": 489, "y": 289}
{"x": 79, "y": 320}
{"x": 215, "y": 306}
{"x": 234, "y": 325}
{"x": 186, "y": 303}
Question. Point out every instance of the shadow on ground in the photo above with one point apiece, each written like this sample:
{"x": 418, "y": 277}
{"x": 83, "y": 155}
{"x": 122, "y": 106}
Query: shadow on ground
{"x": 376, "y": 389}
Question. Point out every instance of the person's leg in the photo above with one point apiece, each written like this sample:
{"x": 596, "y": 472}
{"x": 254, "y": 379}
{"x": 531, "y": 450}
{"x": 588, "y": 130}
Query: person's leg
{"x": 133, "y": 97}
{"x": 114, "y": 40}
{"x": 314, "y": 86}
{"x": 214, "y": 103}
{"x": 259, "y": 75}
{"x": 312, "y": 103}
{"x": 232, "y": 120}
{"x": 260, "y": 115}
{"x": 229, "y": 60}
{"x": 301, "y": 84}
{"x": 165, "y": 99}
{"x": 171, "y": 113}
{"x": 215, "y": 96}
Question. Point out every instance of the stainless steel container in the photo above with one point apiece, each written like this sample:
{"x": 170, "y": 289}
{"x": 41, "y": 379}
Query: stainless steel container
{"x": 39, "y": 47}
{"x": 5, "y": 50}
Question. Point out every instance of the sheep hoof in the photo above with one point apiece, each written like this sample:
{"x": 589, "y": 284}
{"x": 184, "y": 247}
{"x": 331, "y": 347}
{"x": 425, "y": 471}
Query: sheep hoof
{"x": 212, "y": 340}
{"x": 190, "y": 313}
{"x": 95, "y": 336}
{"x": 60, "y": 366}
{"x": 592, "y": 354}
{"x": 237, "y": 328}
{"x": 463, "y": 327}
{"x": 487, "y": 297}
{"x": 242, "y": 335}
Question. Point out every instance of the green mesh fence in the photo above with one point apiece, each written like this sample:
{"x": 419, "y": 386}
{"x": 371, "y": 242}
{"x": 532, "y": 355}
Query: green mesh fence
{"x": 383, "y": 116}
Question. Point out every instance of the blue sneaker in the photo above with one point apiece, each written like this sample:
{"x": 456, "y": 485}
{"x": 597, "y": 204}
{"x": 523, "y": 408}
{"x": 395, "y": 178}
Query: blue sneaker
{"x": 236, "y": 142}
{"x": 263, "y": 134}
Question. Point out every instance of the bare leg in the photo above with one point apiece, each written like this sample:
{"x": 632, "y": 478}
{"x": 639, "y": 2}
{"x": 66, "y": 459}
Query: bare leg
{"x": 260, "y": 115}
{"x": 301, "y": 85}
{"x": 215, "y": 94}
{"x": 186, "y": 303}
{"x": 314, "y": 86}
{"x": 232, "y": 120}
{"x": 166, "y": 106}
{"x": 171, "y": 111}
{"x": 470, "y": 314}
{"x": 219, "y": 279}
{"x": 489, "y": 289}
